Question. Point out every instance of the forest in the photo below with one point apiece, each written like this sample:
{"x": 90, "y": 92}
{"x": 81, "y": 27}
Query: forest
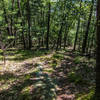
{"x": 49, "y": 49}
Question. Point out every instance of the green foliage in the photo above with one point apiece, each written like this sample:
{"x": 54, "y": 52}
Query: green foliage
{"x": 1, "y": 51}
{"x": 58, "y": 56}
{"x": 77, "y": 60}
{"x": 20, "y": 55}
{"x": 25, "y": 94}
{"x": 74, "y": 77}
{"x": 88, "y": 96}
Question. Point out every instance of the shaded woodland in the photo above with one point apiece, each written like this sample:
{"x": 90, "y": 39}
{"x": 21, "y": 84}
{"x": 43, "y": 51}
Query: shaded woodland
{"x": 49, "y": 50}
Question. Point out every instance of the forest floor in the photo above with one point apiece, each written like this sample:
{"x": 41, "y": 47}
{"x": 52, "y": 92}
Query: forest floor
{"x": 45, "y": 75}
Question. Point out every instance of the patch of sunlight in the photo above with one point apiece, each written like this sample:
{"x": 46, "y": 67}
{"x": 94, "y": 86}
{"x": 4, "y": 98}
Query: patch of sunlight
{"x": 45, "y": 58}
{"x": 68, "y": 57}
{"x": 1, "y": 67}
{"x": 27, "y": 77}
{"x": 26, "y": 90}
{"x": 49, "y": 70}
{"x": 58, "y": 56}
{"x": 1, "y": 57}
{"x": 4, "y": 86}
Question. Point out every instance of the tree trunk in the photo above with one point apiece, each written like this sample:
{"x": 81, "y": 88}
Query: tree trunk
{"x": 59, "y": 37}
{"x": 48, "y": 27}
{"x": 20, "y": 15}
{"x": 78, "y": 26}
{"x": 6, "y": 19}
{"x": 29, "y": 24}
{"x": 87, "y": 29}
{"x": 65, "y": 36}
{"x": 97, "y": 92}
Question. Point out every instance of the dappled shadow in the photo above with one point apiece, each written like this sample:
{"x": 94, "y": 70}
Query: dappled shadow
{"x": 6, "y": 76}
{"x": 82, "y": 69}
{"x": 72, "y": 76}
{"x": 32, "y": 86}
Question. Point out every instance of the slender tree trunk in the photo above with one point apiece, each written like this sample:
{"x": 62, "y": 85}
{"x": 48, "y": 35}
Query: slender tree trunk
{"x": 76, "y": 37}
{"x": 6, "y": 19}
{"x": 48, "y": 27}
{"x": 20, "y": 15}
{"x": 97, "y": 92}
{"x": 12, "y": 22}
{"x": 29, "y": 24}
{"x": 87, "y": 29}
{"x": 59, "y": 37}
{"x": 65, "y": 36}
{"x": 78, "y": 27}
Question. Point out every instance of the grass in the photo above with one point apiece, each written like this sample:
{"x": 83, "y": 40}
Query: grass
{"x": 80, "y": 59}
{"x": 21, "y": 55}
{"x": 58, "y": 56}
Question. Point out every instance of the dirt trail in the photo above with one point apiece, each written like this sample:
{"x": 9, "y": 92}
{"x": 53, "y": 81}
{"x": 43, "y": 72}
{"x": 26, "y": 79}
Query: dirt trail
{"x": 22, "y": 67}
{"x": 65, "y": 90}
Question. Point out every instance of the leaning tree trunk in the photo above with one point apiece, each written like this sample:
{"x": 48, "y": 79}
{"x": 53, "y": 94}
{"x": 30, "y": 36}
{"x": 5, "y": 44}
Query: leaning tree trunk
{"x": 98, "y": 54}
{"x": 87, "y": 29}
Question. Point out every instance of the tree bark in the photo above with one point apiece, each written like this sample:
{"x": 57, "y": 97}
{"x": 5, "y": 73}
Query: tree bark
{"x": 6, "y": 19}
{"x": 48, "y": 27}
{"x": 20, "y": 15}
{"x": 97, "y": 92}
{"x": 76, "y": 37}
{"x": 29, "y": 24}
{"x": 87, "y": 29}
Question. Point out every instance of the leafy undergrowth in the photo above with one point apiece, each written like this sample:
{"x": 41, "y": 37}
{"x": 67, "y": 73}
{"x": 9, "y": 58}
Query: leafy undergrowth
{"x": 86, "y": 96}
{"x": 42, "y": 75}
{"x": 14, "y": 54}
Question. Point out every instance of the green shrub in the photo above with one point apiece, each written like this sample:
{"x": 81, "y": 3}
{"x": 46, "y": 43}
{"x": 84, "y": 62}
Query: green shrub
{"x": 1, "y": 51}
{"x": 73, "y": 77}
{"x": 77, "y": 60}
{"x": 58, "y": 56}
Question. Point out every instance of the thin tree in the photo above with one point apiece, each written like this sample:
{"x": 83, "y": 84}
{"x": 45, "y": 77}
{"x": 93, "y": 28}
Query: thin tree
{"x": 87, "y": 29}
{"x": 48, "y": 26}
{"x": 78, "y": 27}
{"x": 29, "y": 24}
